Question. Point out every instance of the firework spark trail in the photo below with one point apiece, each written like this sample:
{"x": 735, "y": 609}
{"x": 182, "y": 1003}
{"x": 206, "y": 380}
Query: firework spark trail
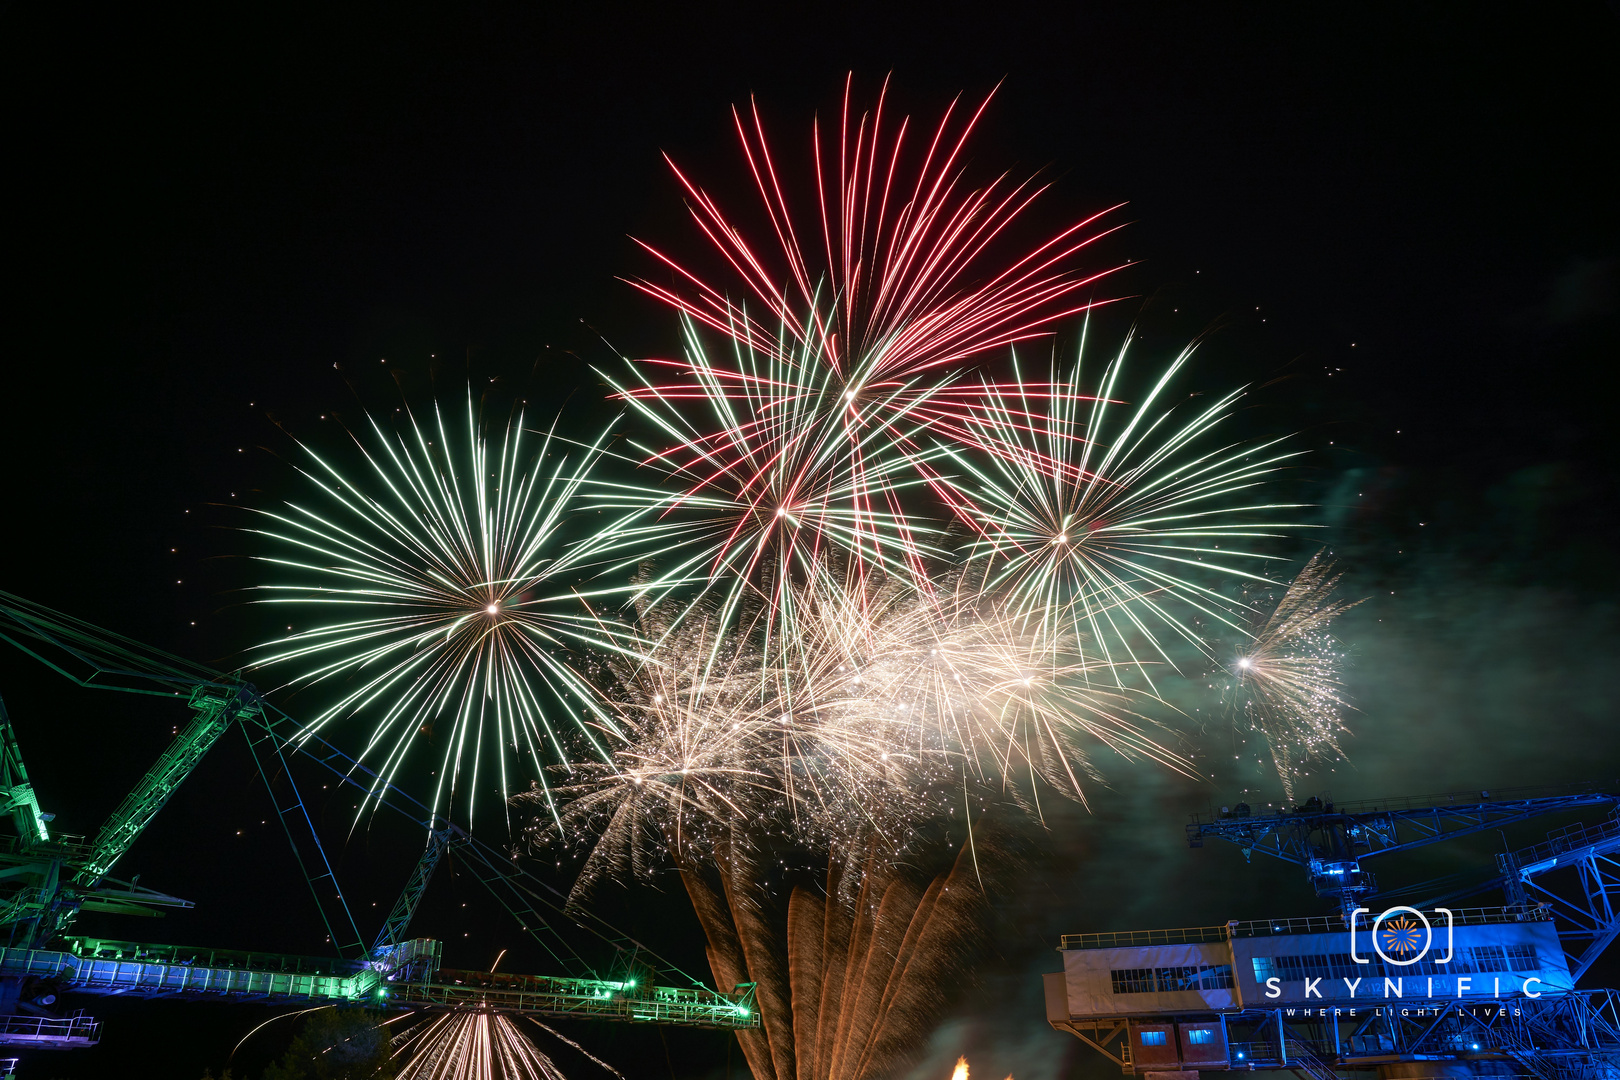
{"x": 1115, "y": 520}
{"x": 952, "y": 684}
{"x": 438, "y": 582}
{"x": 1288, "y": 679}
{"x": 472, "y": 1045}
{"x": 690, "y": 751}
{"x": 1132, "y": 523}
{"x": 868, "y": 964}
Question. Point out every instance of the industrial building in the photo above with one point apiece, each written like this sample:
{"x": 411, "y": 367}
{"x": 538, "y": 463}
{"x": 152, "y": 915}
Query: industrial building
{"x": 1407, "y": 991}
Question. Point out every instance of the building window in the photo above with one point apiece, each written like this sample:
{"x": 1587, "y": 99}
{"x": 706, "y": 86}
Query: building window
{"x": 1473, "y": 961}
{"x": 1153, "y": 1038}
{"x": 1200, "y": 1037}
{"x": 1132, "y": 981}
{"x": 1171, "y": 980}
{"x": 1522, "y": 958}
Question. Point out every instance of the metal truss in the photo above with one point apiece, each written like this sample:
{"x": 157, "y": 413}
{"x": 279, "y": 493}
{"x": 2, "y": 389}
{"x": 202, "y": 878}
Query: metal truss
{"x": 1567, "y": 1036}
{"x": 45, "y": 881}
{"x": 1330, "y": 840}
{"x": 133, "y": 969}
{"x": 1586, "y": 913}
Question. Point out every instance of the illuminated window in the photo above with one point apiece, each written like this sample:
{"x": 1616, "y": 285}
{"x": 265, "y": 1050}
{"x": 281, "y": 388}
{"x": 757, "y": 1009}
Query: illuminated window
{"x": 1153, "y": 1038}
{"x": 1200, "y": 1036}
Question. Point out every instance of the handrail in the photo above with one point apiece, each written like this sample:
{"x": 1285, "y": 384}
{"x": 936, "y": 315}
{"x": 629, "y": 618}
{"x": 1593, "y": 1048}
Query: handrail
{"x": 1558, "y": 842}
{"x": 1310, "y": 924}
{"x": 1443, "y": 800}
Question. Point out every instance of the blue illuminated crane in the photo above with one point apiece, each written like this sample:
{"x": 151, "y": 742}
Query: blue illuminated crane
{"x": 1574, "y": 870}
{"x": 1498, "y": 997}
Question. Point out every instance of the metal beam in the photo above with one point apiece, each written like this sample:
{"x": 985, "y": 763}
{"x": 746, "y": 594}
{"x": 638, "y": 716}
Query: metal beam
{"x": 215, "y": 709}
{"x": 1588, "y": 915}
{"x": 302, "y": 836}
{"x": 399, "y": 919}
{"x": 1330, "y": 841}
{"x": 131, "y": 969}
{"x": 16, "y": 793}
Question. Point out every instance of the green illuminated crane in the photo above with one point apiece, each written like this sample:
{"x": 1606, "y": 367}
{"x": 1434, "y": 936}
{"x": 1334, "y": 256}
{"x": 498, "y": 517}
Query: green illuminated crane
{"x": 214, "y": 710}
{"x": 42, "y": 884}
{"x": 46, "y": 881}
{"x": 16, "y": 793}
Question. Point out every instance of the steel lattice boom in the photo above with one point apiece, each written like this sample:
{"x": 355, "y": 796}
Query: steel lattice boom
{"x": 45, "y": 880}
{"x": 1330, "y": 840}
{"x": 1415, "y": 991}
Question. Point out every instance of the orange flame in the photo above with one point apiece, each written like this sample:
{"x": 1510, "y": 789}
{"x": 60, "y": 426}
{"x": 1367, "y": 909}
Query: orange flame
{"x": 961, "y": 1070}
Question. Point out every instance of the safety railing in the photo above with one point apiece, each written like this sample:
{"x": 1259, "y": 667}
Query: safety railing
{"x": 49, "y": 1031}
{"x": 541, "y": 996}
{"x": 1571, "y": 838}
{"x": 1312, "y": 924}
{"x": 1124, "y": 939}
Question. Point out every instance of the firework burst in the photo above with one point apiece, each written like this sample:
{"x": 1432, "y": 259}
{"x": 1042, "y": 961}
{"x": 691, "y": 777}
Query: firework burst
{"x": 1119, "y": 521}
{"x": 805, "y": 436}
{"x": 879, "y": 713}
{"x": 440, "y": 589}
{"x": 688, "y": 732}
{"x": 1287, "y": 682}
{"x": 764, "y": 477}
{"x": 953, "y": 683}
{"x": 901, "y": 261}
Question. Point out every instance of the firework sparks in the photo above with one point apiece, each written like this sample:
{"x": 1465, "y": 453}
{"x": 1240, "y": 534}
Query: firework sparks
{"x": 472, "y": 1045}
{"x": 880, "y": 712}
{"x": 948, "y": 684}
{"x": 1133, "y": 524}
{"x": 900, "y": 262}
{"x": 1114, "y": 520}
{"x": 690, "y": 751}
{"x": 1288, "y": 679}
{"x": 805, "y": 438}
{"x": 771, "y": 480}
{"x": 440, "y": 591}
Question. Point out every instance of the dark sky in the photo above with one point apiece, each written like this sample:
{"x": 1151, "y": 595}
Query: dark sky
{"x": 224, "y": 220}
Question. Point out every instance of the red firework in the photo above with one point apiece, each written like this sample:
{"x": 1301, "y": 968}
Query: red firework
{"x": 900, "y": 274}
{"x": 852, "y": 335}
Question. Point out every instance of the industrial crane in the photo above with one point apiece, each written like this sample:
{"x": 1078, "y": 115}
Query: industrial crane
{"x": 1419, "y": 990}
{"x": 46, "y": 880}
{"x": 1331, "y": 842}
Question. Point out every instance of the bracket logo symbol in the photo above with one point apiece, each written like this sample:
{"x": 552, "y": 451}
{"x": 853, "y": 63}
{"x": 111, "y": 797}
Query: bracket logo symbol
{"x": 1401, "y": 930}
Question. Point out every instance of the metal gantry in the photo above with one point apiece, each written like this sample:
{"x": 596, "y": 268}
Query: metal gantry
{"x": 1330, "y": 841}
{"x": 408, "y": 974}
{"x": 46, "y": 880}
{"x": 1576, "y": 869}
{"x": 1139, "y": 997}
{"x": 1585, "y": 906}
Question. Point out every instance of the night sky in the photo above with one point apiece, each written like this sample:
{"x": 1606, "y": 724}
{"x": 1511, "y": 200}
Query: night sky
{"x": 230, "y": 227}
